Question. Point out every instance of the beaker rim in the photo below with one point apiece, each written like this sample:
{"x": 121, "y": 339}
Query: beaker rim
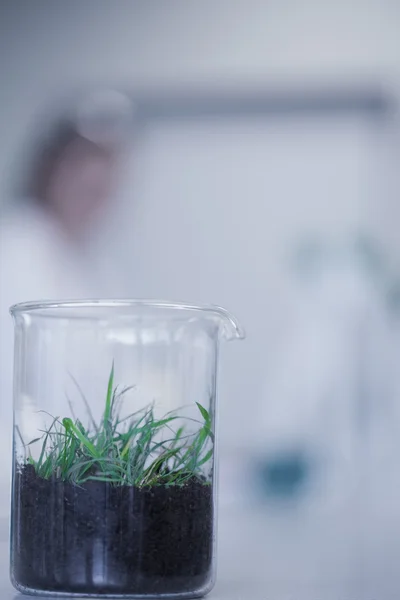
{"x": 232, "y": 328}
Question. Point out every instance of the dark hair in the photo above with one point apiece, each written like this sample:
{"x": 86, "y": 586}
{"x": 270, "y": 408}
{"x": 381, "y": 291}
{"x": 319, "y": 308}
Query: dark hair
{"x": 49, "y": 154}
{"x": 40, "y": 155}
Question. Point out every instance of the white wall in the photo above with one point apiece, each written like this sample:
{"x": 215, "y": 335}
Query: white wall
{"x": 216, "y": 208}
{"x": 47, "y": 47}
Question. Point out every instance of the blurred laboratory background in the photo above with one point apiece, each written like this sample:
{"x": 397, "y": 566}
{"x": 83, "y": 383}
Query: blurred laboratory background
{"x": 243, "y": 153}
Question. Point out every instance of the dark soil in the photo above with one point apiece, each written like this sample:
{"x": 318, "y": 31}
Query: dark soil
{"x": 105, "y": 539}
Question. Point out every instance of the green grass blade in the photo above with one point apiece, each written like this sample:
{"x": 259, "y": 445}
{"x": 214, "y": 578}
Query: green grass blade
{"x": 206, "y": 458}
{"x": 204, "y": 413}
{"x": 109, "y": 397}
{"x": 70, "y": 426}
{"x": 44, "y": 446}
{"x": 162, "y": 422}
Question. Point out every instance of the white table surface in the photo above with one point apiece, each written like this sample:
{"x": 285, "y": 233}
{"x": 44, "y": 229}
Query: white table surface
{"x": 348, "y": 553}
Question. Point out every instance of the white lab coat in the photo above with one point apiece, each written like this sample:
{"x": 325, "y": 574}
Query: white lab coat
{"x": 329, "y": 390}
{"x": 37, "y": 262}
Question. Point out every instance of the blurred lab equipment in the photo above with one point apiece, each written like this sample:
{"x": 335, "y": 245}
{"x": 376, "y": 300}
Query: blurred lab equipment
{"x": 64, "y": 188}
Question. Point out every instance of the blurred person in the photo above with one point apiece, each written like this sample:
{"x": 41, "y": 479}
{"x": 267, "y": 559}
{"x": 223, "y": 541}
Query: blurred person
{"x": 44, "y": 250}
{"x": 332, "y": 376}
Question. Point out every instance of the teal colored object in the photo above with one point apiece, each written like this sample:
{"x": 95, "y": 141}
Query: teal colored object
{"x": 284, "y": 475}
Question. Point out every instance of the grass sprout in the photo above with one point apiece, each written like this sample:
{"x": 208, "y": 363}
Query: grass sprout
{"x": 124, "y": 451}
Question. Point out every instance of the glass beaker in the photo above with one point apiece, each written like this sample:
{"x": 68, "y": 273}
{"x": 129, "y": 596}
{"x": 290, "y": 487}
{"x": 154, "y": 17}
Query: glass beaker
{"x": 114, "y": 449}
